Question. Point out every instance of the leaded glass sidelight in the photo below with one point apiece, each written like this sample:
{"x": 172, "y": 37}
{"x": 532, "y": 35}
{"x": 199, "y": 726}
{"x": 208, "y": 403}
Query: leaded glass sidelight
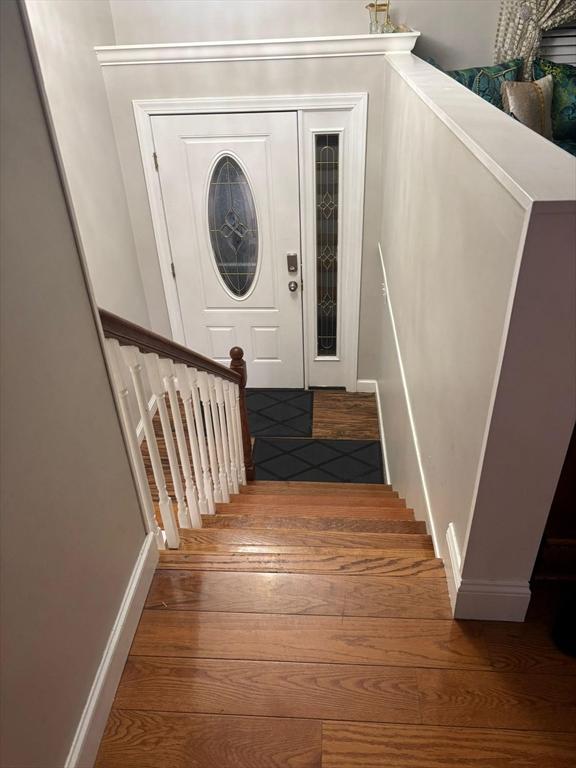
{"x": 327, "y": 172}
{"x": 233, "y": 226}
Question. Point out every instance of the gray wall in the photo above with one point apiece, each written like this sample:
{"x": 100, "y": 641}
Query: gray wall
{"x": 457, "y": 33}
{"x": 64, "y": 34}
{"x": 71, "y": 524}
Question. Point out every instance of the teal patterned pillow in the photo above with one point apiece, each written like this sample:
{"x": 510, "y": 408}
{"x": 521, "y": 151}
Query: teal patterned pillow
{"x": 563, "y": 98}
{"x": 487, "y": 81}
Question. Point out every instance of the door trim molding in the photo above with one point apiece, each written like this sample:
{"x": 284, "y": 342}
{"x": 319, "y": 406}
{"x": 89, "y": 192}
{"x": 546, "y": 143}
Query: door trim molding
{"x": 356, "y": 104}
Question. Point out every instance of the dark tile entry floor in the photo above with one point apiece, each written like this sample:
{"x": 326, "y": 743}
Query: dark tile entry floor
{"x": 343, "y": 461}
{"x": 279, "y": 412}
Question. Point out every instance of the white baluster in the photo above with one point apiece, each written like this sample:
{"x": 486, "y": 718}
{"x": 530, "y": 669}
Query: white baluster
{"x": 226, "y": 435}
{"x": 152, "y": 364}
{"x": 218, "y": 436}
{"x": 239, "y": 433}
{"x": 186, "y": 381}
{"x": 231, "y": 434}
{"x": 204, "y": 389}
{"x": 165, "y": 503}
{"x": 120, "y": 380}
{"x": 168, "y": 371}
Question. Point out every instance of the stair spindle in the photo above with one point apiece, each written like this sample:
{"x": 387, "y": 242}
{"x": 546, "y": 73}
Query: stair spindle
{"x": 204, "y": 389}
{"x": 165, "y": 502}
{"x": 203, "y": 484}
{"x": 231, "y": 435}
{"x": 238, "y": 364}
{"x": 168, "y": 371}
{"x": 130, "y": 432}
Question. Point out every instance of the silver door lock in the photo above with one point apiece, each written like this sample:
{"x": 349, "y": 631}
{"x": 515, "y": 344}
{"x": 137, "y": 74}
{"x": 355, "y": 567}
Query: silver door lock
{"x": 292, "y": 286}
{"x": 292, "y": 262}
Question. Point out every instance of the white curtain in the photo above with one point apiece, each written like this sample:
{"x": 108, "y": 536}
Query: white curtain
{"x": 521, "y": 25}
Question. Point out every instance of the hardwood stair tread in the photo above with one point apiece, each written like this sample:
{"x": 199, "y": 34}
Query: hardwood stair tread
{"x": 135, "y": 739}
{"x": 302, "y": 550}
{"x": 277, "y": 486}
{"x": 298, "y": 538}
{"x": 373, "y": 562}
{"x": 317, "y": 500}
{"x": 270, "y": 688}
{"x": 311, "y": 510}
{"x": 287, "y": 593}
{"x": 400, "y": 642}
{"x": 321, "y": 523}
{"x": 367, "y": 745}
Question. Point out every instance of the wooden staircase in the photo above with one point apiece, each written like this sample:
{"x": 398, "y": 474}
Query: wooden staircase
{"x": 307, "y": 625}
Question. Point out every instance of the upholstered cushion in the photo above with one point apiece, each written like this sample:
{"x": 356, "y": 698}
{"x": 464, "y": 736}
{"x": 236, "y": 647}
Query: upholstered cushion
{"x": 487, "y": 81}
{"x": 530, "y": 103}
{"x": 564, "y": 97}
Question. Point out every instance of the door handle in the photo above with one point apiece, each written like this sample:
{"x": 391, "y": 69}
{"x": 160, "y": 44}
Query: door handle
{"x": 292, "y": 286}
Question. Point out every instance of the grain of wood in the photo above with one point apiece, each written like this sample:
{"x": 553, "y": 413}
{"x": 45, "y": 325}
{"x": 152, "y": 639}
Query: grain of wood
{"x": 191, "y": 538}
{"x": 294, "y": 486}
{"x": 271, "y": 688}
{"x": 299, "y": 594}
{"x": 346, "y": 561}
{"x": 306, "y": 509}
{"x": 365, "y": 745}
{"x": 345, "y": 416}
{"x": 320, "y": 616}
{"x": 497, "y": 700}
{"x": 136, "y": 739}
{"x": 526, "y": 648}
{"x": 354, "y": 502}
{"x": 323, "y": 639}
{"x": 322, "y": 523}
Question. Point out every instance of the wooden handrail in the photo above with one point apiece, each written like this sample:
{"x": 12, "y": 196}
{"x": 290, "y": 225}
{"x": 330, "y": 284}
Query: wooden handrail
{"x": 133, "y": 335}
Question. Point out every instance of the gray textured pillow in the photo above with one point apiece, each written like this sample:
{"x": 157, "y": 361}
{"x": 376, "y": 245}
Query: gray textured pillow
{"x": 530, "y": 103}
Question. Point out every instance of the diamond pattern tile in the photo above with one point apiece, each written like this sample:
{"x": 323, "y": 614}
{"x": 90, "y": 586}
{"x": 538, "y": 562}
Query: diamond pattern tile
{"x": 279, "y": 412}
{"x": 348, "y": 461}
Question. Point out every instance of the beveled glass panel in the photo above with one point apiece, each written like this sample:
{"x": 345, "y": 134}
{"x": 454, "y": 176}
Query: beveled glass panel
{"x": 233, "y": 226}
{"x": 327, "y": 210}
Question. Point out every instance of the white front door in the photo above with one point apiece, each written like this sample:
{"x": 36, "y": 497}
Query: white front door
{"x": 230, "y": 190}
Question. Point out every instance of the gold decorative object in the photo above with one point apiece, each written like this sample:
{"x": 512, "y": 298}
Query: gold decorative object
{"x": 380, "y": 18}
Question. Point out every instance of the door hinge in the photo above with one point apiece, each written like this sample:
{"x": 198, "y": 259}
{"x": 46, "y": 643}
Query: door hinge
{"x": 155, "y": 156}
{"x": 173, "y": 268}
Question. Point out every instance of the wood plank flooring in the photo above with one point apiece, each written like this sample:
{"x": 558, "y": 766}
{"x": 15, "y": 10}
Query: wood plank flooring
{"x": 288, "y": 635}
{"x": 345, "y": 416}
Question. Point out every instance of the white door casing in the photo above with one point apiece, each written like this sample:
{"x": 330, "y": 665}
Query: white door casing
{"x": 266, "y": 321}
{"x": 344, "y": 114}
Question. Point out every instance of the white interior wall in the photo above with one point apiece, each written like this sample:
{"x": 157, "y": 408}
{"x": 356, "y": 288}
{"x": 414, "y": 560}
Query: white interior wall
{"x": 72, "y": 530}
{"x": 458, "y": 197}
{"x": 64, "y": 34}
{"x": 457, "y": 33}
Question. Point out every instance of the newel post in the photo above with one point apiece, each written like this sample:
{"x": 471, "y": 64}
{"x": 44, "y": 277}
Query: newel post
{"x": 238, "y": 364}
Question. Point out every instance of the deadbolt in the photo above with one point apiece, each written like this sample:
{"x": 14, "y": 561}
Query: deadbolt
{"x": 292, "y": 286}
{"x": 292, "y": 261}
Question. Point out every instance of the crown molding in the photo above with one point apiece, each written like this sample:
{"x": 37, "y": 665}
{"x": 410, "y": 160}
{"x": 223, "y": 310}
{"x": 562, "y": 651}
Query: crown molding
{"x": 253, "y": 50}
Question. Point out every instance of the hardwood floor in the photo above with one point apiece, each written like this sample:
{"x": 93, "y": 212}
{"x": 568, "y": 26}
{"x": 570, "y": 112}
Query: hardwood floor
{"x": 345, "y": 416}
{"x": 286, "y": 635}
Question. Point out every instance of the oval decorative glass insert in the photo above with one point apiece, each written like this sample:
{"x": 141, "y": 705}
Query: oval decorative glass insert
{"x": 233, "y": 226}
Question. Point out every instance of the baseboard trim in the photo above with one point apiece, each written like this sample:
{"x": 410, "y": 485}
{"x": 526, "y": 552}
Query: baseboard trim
{"x": 91, "y": 726}
{"x": 371, "y": 385}
{"x": 424, "y": 486}
{"x": 492, "y": 600}
{"x": 453, "y": 565}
